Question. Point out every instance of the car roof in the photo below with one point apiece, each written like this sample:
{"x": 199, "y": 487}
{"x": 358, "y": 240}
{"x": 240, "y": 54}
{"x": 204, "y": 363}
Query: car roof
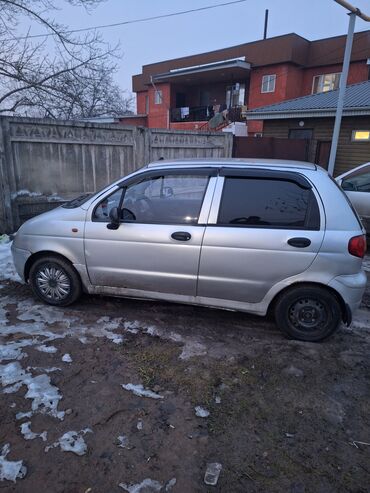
{"x": 233, "y": 162}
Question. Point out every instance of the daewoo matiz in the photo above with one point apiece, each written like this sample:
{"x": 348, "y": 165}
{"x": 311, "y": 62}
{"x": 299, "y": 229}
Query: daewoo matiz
{"x": 248, "y": 235}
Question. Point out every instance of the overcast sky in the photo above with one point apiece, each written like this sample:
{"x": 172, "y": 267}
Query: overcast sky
{"x": 188, "y": 34}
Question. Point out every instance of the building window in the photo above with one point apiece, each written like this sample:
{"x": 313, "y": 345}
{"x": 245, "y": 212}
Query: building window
{"x": 360, "y": 136}
{"x": 325, "y": 83}
{"x": 158, "y": 97}
{"x": 268, "y": 83}
{"x": 235, "y": 95}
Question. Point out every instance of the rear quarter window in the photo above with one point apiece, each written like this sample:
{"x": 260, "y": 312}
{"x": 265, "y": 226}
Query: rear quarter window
{"x": 268, "y": 203}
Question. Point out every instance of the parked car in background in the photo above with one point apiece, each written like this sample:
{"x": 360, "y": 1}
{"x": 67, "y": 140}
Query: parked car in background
{"x": 356, "y": 184}
{"x": 248, "y": 235}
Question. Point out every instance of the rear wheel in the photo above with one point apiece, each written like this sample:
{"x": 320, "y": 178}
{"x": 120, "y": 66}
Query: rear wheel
{"x": 55, "y": 281}
{"x": 308, "y": 313}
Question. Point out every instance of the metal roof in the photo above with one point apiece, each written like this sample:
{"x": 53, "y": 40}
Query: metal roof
{"x": 233, "y": 64}
{"x": 356, "y": 102}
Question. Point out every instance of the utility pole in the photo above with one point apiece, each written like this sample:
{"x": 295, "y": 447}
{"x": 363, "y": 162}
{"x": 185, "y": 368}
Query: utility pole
{"x": 354, "y": 12}
{"x": 266, "y": 22}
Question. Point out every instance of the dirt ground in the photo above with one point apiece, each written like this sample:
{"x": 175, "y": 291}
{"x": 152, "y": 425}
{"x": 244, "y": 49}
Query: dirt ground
{"x": 284, "y": 416}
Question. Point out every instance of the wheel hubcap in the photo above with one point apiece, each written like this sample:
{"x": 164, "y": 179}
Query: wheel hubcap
{"x": 53, "y": 283}
{"x": 307, "y": 313}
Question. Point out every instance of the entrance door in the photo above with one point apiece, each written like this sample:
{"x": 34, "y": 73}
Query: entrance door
{"x": 157, "y": 245}
{"x": 323, "y": 153}
{"x": 266, "y": 229}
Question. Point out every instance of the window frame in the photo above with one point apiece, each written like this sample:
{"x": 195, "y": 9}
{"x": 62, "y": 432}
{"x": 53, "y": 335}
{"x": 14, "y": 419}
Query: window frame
{"x": 158, "y": 94}
{"x": 124, "y": 184}
{"x": 324, "y": 75}
{"x": 296, "y": 178}
{"x": 269, "y": 78}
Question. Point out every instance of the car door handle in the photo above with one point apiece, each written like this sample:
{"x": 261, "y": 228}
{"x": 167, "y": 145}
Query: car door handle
{"x": 181, "y": 236}
{"x": 299, "y": 242}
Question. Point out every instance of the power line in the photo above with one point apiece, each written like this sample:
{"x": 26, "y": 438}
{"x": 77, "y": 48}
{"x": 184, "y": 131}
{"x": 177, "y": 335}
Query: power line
{"x": 134, "y": 21}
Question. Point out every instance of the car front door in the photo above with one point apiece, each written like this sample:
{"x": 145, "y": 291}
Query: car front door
{"x": 264, "y": 227}
{"x": 157, "y": 245}
{"x": 357, "y": 187}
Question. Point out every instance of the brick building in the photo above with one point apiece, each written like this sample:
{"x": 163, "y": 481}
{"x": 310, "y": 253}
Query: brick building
{"x": 312, "y": 118}
{"x": 184, "y": 93}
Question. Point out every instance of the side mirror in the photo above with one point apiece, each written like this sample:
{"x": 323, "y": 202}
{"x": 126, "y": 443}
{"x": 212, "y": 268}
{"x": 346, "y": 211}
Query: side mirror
{"x": 114, "y": 218}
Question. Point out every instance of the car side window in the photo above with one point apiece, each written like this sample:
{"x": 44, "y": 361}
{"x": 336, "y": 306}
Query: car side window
{"x": 101, "y": 212}
{"x": 357, "y": 182}
{"x": 268, "y": 203}
{"x": 165, "y": 199}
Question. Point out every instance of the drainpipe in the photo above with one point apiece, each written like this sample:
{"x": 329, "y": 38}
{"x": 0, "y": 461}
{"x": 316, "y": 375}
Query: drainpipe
{"x": 354, "y": 12}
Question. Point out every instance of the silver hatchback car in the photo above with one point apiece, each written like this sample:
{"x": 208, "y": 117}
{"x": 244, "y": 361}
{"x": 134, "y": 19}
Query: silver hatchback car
{"x": 248, "y": 235}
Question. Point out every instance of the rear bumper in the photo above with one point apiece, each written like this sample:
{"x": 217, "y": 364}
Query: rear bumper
{"x": 351, "y": 288}
{"x": 20, "y": 258}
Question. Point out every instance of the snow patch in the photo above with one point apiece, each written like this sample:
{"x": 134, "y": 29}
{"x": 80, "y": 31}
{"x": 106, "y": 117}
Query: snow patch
{"x": 201, "y": 412}
{"x": 45, "y": 396}
{"x": 30, "y": 435}
{"x": 7, "y": 269}
{"x": 123, "y": 441}
{"x": 46, "y": 370}
{"x": 46, "y": 349}
{"x": 10, "y": 470}
{"x": 67, "y": 358}
{"x": 19, "y": 416}
{"x": 25, "y": 193}
{"x": 72, "y": 441}
{"x": 146, "y": 486}
{"x": 140, "y": 391}
{"x": 44, "y": 314}
{"x": 13, "y": 350}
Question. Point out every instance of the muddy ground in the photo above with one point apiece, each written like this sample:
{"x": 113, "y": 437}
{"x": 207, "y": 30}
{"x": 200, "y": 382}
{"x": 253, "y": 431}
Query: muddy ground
{"x": 284, "y": 416}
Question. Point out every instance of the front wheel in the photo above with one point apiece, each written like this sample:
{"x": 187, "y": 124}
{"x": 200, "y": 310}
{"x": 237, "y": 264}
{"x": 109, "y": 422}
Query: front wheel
{"x": 308, "y": 313}
{"x": 55, "y": 281}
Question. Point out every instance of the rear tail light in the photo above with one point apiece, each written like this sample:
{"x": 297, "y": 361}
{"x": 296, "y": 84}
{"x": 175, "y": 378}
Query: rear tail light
{"x": 357, "y": 246}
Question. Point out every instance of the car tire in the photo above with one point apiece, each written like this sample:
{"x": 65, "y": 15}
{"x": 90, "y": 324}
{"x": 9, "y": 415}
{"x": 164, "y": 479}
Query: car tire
{"x": 308, "y": 313}
{"x": 54, "y": 281}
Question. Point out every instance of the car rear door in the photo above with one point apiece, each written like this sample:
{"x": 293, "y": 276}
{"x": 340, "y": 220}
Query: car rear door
{"x": 264, "y": 226}
{"x": 157, "y": 244}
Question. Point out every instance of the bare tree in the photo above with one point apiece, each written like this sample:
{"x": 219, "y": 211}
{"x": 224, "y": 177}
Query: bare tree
{"x": 61, "y": 76}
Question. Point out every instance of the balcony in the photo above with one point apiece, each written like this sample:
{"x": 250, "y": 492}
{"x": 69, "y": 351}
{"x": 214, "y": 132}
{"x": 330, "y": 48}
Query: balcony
{"x": 206, "y": 113}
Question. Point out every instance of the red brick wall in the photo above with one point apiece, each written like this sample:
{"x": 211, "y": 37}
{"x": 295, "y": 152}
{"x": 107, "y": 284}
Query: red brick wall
{"x": 256, "y": 98}
{"x": 139, "y": 121}
{"x": 158, "y": 116}
{"x": 140, "y": 102}
{"x": 358, "y": 72}
{"x": 188, "y": 125}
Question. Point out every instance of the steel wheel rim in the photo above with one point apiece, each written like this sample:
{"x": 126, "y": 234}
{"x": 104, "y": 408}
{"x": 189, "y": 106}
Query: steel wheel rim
{"x": 308, "y": 314}
{"x": 53, "y": 282}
